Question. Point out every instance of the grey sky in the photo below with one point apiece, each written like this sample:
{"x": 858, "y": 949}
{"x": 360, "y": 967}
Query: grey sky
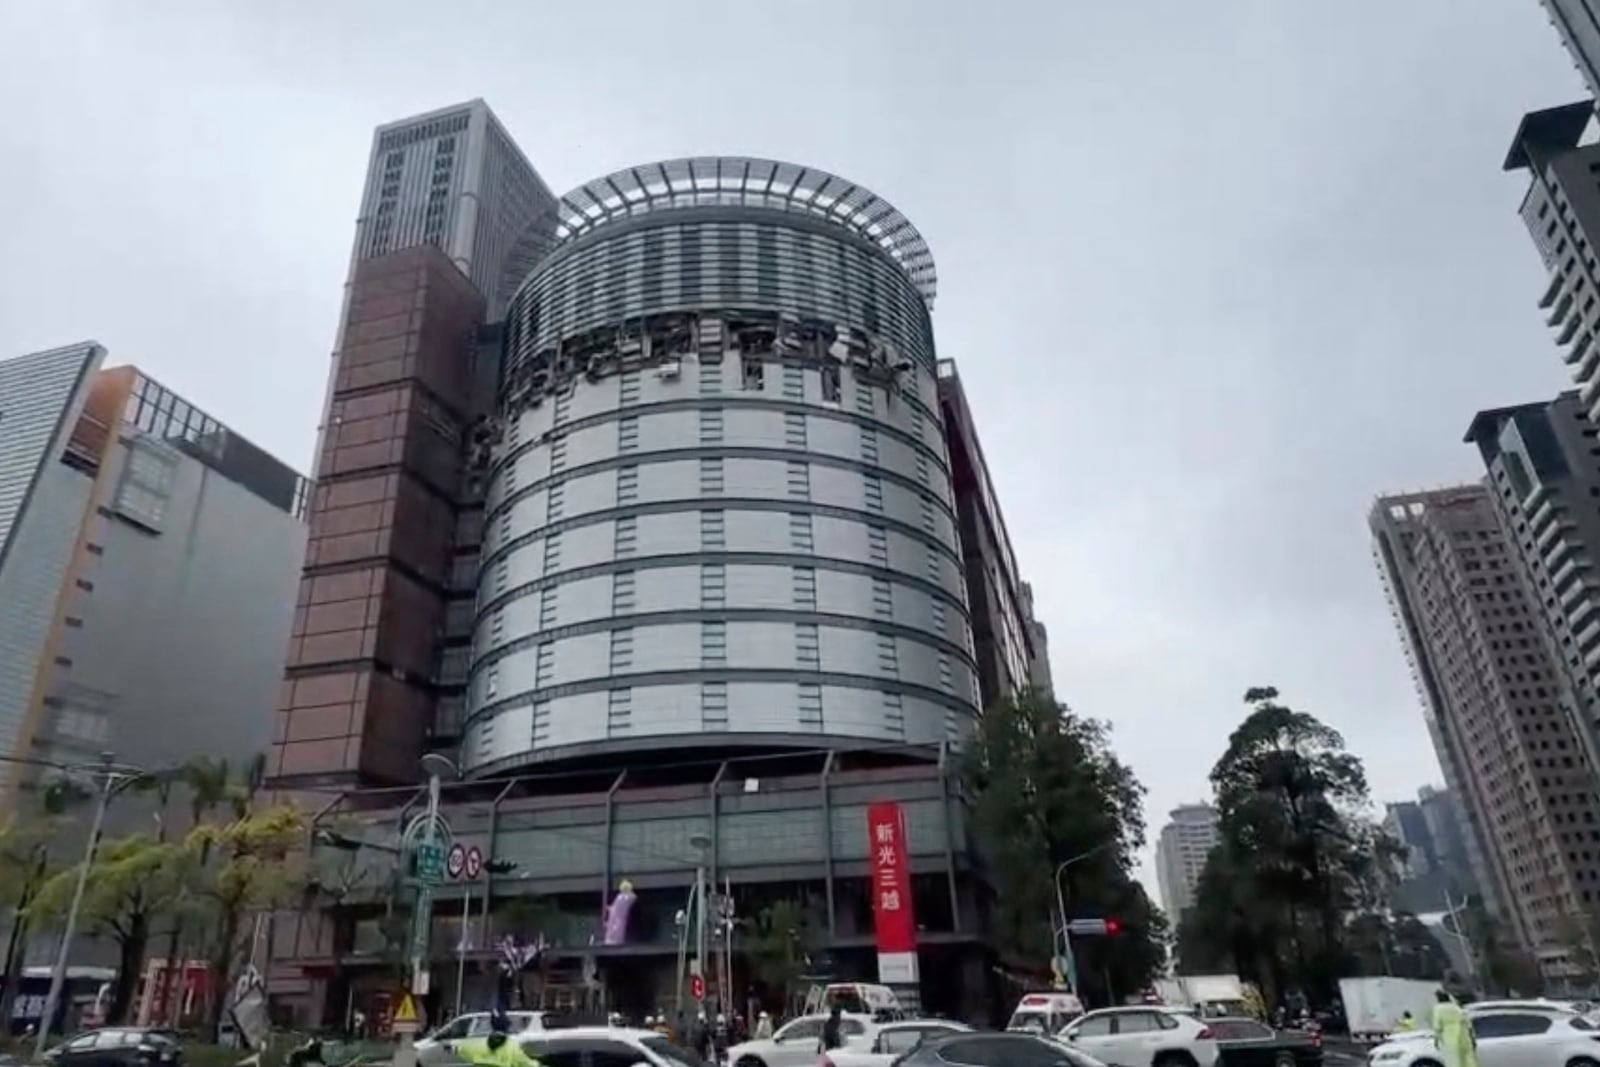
{"x": 1214, "y": 273}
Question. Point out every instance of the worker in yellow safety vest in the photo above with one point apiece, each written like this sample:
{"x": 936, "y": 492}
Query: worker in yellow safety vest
{"x": 496, "y": 1050}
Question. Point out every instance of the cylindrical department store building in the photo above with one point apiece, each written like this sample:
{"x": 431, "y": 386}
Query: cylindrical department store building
{"x": 719, "y": 512}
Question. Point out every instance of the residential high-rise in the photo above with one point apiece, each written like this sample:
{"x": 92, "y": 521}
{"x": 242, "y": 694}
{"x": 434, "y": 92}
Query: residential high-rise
{"x": 1181, "y": 851}
{"x": 1578, "y": 22}
{"x": 681, "y": 518}
{"x": 1469, "y": 624}
{"x": 1006, "y": 637}
{"x": 1543, "y": 461}
{"x": 1039, "y": 673}
{"x": 1562, "y": 212}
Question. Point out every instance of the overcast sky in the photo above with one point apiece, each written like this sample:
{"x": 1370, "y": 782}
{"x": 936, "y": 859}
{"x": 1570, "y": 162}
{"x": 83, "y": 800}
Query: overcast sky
{"x": 1214, "y": 274}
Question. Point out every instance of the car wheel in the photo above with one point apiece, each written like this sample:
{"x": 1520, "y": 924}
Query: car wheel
{"x": 1174, "y": 1059}
{"x": 1582, "y": 1061}
{"x": 750, "y": 1061}
{"x": 1426, "y": 1063}
{"x": 1283, "y": 1059}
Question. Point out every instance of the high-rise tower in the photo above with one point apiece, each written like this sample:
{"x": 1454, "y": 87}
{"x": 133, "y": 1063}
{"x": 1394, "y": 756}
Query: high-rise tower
{"x": 1490, "y": 692}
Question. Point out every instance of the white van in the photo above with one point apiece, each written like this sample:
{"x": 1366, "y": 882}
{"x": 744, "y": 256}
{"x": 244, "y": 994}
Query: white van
{"x": 1045, "y": 1013}
{"x": 855, "y": 998}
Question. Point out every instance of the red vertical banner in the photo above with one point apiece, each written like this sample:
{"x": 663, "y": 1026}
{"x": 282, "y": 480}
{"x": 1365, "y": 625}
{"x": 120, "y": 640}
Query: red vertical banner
{"x": 894, "y": 922}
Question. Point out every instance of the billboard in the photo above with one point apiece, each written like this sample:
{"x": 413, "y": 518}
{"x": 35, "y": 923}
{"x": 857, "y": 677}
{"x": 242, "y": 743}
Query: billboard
{"x": 894, "y": 922}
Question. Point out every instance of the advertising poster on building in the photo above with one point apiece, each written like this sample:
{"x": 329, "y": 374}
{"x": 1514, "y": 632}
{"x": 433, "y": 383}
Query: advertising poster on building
{"x": 894, "y": 924}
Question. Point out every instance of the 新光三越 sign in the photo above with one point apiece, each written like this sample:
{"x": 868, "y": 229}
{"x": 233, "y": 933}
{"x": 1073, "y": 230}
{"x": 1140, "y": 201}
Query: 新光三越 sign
{"x": 894, "y": 922}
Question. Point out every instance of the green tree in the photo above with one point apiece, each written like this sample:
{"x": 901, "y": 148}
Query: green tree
{"x": 25, "y": 840}
{"x": 130, "y": 884}
{"x": 1296, "y": 855}
{"x": 1047, "y": 793}
{"x": 775, "y": 945}
{"x": 254, "y": 864}
{"x": 209, "y": 782}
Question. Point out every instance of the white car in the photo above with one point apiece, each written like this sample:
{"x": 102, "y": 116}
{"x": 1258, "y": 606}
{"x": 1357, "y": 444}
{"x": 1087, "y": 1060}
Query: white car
{"x": 606, "y": 1046}
{"x": 798, "y": 1042}
{"x": 1144, "y": 1037}
{"x": 890, "y": 1041}
{"x": 1533, "y": 1036}
{"x": 438, "y": 1048}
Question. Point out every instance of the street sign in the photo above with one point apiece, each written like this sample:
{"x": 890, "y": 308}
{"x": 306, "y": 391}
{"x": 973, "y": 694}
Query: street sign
{"x": 697, "y": 987}
{"x": 405, "y": 1019}
{"x": 430, "y": 863}
{"x": 474, "y": 863}
{"x": 457, "y": 862}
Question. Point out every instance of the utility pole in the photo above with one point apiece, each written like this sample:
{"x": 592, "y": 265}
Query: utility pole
{"x": 58, "y": 974}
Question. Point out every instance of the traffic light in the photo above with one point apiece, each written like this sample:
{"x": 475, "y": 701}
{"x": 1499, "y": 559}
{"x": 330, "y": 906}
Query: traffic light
{"x": 1108, "y": 927}
{"x": 1113, "y": 927}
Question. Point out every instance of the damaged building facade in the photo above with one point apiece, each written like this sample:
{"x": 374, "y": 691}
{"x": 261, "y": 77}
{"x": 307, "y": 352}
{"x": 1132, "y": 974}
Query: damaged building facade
{"x": 664, "y": 555}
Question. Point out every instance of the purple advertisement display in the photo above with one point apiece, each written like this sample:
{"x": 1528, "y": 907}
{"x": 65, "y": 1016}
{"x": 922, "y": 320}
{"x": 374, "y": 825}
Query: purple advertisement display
{"x": 615, "y": 919}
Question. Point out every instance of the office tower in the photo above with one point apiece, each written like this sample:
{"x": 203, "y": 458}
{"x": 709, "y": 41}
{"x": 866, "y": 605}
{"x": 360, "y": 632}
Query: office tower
{"x": 1562, "y": 212}
{"x": 377, "y": 668}
{"x": 1181, "y": 851}
{"x": 1578, "y": 22}
{"x": 147, "y": 560}
{"x": 1442, "y": 810}
{"x": 1543, "y": 465}
{"x": 1431, "y": 873}
{"x": 1005, "y": 634}
{"x": 1469, "y": 624}
{"x": 696, "y": 548}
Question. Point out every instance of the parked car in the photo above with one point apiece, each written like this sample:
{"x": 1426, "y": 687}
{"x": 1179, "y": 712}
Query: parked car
{"x": 607, "y": 1046}
{"x": 1249, "y": 1043}
{"x": 988, "y": 1049}
{"x": 891, "y": 1041}
{"x": 1524, "y": 1037}
{"x": 117, "y": 1047}
{"x": 797, "y": 1043}
{"x": 1144, "y": 1037}
{"x": 438, "y": 1048}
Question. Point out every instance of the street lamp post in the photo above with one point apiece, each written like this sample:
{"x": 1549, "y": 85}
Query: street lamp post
{"x": 111, "y": 782}
{"x": 701, "y": 842}
{"x": 1061, "y": 907}
{"x": 437, "y": 767}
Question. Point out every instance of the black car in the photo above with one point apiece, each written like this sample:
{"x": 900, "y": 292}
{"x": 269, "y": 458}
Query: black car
{"x": 1248, "y": 1043}
{"x": 995, "y": 1050}
{"x": 118, "y": 1046}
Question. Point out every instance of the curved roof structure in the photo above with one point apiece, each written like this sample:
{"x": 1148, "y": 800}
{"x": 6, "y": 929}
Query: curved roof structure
{"x": 738, "y": 181}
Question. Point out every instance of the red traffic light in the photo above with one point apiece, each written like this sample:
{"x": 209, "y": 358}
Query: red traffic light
{"x": 697, "y": 987}
{"x": 1113, "y": 927}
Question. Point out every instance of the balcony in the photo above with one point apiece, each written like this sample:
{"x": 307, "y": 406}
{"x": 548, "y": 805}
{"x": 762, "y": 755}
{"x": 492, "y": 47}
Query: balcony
{"x": 1551, "y": 291}
{"x": 1569, "y": 329}
{"x": 1563, "y": 304}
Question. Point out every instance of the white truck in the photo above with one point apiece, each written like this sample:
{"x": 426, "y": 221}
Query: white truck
{"x": 1204, "y": 994}
{"x": 1373, "y": 1006}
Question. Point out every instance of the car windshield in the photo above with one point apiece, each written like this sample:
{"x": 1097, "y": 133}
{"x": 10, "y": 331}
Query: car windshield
{"x": 673, "y": 1054}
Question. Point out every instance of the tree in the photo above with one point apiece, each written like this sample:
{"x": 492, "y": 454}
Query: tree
{"x": 1296, "y": 855}
{"x": 776, "y": 945}
{"x": 25, "y": 855}
{"x": 130, "y": 884}
{"x": 209, "y": 782}
{"x": 249, "y": 869}
{"x": 1048, "y": 794}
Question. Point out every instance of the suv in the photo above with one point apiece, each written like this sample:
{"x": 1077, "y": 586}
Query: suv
{"x": 606, "y": 1046}
{"x": 1143, "y": 1037}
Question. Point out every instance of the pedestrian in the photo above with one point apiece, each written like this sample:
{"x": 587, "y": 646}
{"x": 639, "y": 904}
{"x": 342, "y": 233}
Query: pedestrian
{"x": 1452, "y": 1033}
{"x": 763, "y": 1027}
{"x": 832, "y": 1030}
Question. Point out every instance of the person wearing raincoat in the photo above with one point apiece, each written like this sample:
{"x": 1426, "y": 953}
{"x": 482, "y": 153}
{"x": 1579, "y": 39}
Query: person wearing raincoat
{"x": 497, "y": 1050}
{"x": 1452, "y": 1033}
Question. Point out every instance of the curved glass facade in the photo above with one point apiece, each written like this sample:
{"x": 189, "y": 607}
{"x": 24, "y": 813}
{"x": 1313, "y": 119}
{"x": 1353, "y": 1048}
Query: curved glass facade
{"x": 720, "y": 511}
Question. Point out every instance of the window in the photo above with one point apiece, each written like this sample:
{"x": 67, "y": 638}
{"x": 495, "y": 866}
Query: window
{"x": 830, "y": 383}
{"x": 1137, "y": 1022}
{"x": 1093, "y": 1026}
{"x": 800, "y": 1030}
{"x": 1004, "y": 1050}
{"x": 1508, "y": 1024}
{"x": 900, "y": 1040}
{"x": 612, "y": 1054}
{"x": 752, "y": 374}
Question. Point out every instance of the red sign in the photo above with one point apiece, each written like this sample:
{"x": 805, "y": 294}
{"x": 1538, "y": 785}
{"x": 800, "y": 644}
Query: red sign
{"x": 697, "y": 987}
{"x": 893, "y": 920}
